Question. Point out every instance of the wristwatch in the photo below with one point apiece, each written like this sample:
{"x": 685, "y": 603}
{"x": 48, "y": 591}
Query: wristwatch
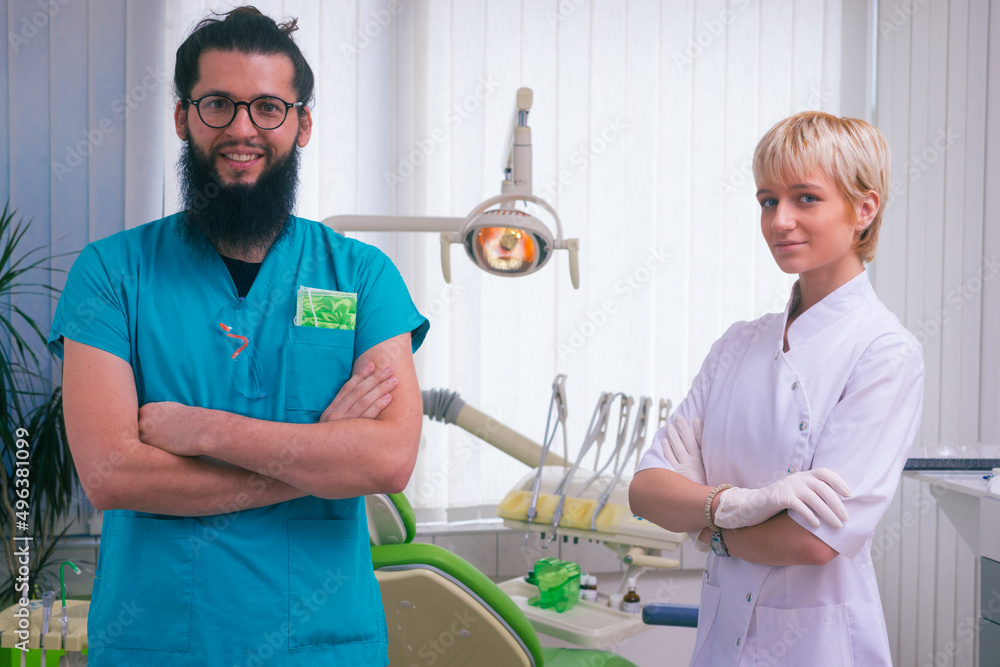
{"x": 718, "y": 546}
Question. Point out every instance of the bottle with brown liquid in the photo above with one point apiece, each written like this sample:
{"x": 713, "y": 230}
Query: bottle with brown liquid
{"x": 630, "y": 603}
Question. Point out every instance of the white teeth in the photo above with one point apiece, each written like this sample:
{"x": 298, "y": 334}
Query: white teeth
{"x": 240, "y": 158}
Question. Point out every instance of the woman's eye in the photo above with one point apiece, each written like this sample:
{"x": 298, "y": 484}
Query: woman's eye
{"x": 808, "y": 199}
{"x": 768, "y": 202}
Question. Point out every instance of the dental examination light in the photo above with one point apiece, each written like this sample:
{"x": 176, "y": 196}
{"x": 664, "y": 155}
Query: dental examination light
{"x": 504, "y": 240}
{"x": 497, "y": 236}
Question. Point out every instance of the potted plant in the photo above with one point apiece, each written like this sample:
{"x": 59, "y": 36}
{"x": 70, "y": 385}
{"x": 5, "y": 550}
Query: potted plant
{"x": 32, "y": 421}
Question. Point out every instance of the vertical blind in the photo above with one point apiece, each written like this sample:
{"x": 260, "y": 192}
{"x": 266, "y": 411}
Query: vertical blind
{"x": 644, "y": 120}
{"x": 938, "y": 103}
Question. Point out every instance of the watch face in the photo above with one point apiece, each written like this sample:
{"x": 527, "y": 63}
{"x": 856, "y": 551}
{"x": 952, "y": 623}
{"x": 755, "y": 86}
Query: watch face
{"x": 718, "y": 546}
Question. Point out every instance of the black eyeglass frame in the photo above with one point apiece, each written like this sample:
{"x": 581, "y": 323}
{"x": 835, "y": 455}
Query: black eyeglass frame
{"x": 236, "y": 109}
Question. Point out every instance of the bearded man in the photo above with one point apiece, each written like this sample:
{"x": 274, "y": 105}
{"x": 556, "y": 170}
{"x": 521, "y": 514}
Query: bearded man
{"x": 235, "y": 379}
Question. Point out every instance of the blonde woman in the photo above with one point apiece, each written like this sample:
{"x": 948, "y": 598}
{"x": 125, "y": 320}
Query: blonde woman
{"x": 788, "y": 448}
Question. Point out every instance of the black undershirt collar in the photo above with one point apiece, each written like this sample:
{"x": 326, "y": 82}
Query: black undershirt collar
{"x": 243, "y": 273}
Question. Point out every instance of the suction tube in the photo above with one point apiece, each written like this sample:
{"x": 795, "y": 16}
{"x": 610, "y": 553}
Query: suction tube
{"x": 448, "y": 407}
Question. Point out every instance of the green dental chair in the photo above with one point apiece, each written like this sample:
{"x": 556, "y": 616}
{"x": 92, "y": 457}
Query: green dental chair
{"x": 441, "y": 610}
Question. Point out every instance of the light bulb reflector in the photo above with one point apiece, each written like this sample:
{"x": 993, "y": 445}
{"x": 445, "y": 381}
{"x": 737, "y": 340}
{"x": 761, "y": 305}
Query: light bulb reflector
{"x": 507, "y": 242}
{"x": 507, "y": 250}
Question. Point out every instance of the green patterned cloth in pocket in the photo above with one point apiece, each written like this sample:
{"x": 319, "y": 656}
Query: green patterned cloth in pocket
{"x": 325, "y": 308}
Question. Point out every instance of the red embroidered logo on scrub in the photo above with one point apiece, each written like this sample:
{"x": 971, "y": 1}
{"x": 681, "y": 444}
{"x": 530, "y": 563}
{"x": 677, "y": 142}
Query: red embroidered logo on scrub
{"x": 245, "y": 340}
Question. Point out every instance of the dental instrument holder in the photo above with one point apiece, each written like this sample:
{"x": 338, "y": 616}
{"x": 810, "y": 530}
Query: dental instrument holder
{"x": 558, "y": 404}
{"x": 558, "y": 584}
{"x": 595, "y": 433}
{"x": 623, "y": 417}
{"x": 638, "y": 439}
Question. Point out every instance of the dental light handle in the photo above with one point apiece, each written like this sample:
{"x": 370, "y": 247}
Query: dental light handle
{"x": 573, "y": 245}
{"x": 446, "y": 256}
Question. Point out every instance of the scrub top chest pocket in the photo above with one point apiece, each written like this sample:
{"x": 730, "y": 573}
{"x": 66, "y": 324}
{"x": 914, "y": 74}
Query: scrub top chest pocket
{"x": 318, "y": 362}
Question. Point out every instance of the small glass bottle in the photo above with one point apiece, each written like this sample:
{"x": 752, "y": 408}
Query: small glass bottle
{"x": 630, "y": 603}
{"x": 590, "y": 594}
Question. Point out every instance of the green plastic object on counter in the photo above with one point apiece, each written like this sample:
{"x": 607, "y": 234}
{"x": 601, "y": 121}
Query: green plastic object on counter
{"x": 558, "y": 584}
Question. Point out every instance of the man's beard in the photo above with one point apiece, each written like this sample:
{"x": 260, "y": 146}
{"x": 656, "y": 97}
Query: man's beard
{"x": 241, "y": 218}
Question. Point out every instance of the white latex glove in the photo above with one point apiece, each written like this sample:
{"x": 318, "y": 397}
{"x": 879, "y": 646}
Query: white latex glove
{"x": 682, "y": 448}
{"x": 805, "y": 492}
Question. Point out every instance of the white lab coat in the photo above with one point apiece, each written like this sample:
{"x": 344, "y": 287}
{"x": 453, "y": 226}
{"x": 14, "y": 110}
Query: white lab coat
{"x": 846, "y": 396}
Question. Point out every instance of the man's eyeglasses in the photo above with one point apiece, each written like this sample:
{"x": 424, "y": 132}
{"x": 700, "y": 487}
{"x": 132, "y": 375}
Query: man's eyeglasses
{"x": 267, "y": 113}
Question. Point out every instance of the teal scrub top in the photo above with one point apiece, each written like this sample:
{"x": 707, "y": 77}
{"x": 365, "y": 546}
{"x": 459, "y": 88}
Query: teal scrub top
{"x": 287, "y": 584}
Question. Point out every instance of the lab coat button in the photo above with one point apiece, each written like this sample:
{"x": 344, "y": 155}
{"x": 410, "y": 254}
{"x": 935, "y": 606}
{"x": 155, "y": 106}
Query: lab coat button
{"x": 749, "y": 597}
{"x": 791, "y": 471}
{"x": 795, "y": 385}
{"x": 802, "y": 426}
{"x": 738, "y": 640}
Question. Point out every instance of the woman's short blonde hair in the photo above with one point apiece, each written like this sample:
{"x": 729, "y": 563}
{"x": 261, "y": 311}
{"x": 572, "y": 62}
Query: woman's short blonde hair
{"x": 851, "y": 152}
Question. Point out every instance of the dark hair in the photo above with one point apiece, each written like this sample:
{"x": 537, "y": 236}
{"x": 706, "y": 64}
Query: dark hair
{"x": 247, "y": 30}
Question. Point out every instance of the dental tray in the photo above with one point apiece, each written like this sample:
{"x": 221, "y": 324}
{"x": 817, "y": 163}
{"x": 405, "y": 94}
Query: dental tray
{"x": 587, "y": 624}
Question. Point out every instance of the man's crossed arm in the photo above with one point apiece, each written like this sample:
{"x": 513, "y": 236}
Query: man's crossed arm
{"x": 169, "y": 458}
